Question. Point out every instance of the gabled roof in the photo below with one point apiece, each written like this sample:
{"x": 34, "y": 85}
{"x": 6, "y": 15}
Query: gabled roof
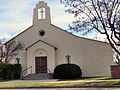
{"x": 79, "y": 36}
{"x": 19, "y": 34}
{"x": 41, "y": 41}
{"x": 59, "y": 29}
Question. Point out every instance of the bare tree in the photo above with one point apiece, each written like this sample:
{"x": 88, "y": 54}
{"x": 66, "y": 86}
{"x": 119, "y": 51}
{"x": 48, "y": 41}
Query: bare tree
{"x": 102, "y": 16}
{"x": 8, "y": 51}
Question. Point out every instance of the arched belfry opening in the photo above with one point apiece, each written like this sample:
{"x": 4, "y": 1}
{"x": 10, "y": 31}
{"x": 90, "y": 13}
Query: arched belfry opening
{"x": 41, "y": 14}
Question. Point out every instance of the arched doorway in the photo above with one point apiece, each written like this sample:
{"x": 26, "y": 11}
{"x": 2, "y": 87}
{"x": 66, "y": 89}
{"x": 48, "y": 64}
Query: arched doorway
{"x": 40, "y": 61}
{"x": 41, "y": 64}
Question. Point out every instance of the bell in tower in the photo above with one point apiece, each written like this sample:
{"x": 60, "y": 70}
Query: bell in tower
{"x": 41, "y": 14}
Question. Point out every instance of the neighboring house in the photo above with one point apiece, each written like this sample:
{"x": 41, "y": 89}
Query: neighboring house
{"x": 47, "y": 46}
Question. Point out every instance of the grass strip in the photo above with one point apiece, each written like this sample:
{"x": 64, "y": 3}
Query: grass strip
{"x": 4, "y": 80}
{"x": 87, "y": 78}
{"x": 117, "y": 82}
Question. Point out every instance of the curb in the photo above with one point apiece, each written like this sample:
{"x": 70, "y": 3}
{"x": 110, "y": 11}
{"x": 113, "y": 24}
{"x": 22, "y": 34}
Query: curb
{"x": 111, "y": 86}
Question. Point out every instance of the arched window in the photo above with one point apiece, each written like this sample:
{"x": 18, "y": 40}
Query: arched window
{"x": 41, "y": 13}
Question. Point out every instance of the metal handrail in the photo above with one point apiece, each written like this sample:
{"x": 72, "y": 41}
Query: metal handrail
{"x": 31, "y": 70}
{"x": 50, "y": 74}
{"x": 26, "y": 70}
{"x": 48, "y": 70}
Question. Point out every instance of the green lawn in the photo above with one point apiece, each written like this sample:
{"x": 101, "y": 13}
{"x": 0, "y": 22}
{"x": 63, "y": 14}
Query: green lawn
{"x": 4, "y": 80}
{"x": 114, "y": 82}
{"x": 87, "y": 78}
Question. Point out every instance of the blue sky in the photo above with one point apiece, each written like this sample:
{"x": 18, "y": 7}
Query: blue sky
{"x": 17, "y": 15}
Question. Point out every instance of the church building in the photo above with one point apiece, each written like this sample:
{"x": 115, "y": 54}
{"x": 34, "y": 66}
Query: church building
{"x": 47, "y": 46}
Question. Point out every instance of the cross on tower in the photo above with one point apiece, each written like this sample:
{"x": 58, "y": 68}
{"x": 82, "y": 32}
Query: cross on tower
{"x": 42, "y": 13}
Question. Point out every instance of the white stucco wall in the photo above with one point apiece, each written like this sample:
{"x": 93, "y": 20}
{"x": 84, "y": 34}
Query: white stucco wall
{"x": 92, "y": 56}
{"x": 43, "y": 50}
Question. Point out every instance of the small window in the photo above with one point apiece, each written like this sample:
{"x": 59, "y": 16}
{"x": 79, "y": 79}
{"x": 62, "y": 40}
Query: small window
{"x": 41, "y": 33}
{"x": 41, "y": 13}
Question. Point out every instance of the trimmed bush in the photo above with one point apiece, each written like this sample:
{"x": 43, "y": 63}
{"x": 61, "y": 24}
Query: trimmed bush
{"x": 67, "y": 71}
{"x": 3, "y": 73}
{"x": 17, "y": 71}
{"x": 9, "y": 71}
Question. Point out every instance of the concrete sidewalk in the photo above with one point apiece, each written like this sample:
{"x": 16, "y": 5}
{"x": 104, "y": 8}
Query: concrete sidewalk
{"x": 30, "y": 81}
{"x": 55, "y": 81}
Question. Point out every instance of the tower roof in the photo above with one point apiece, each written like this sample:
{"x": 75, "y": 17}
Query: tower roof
{"x": 41, "y": 3}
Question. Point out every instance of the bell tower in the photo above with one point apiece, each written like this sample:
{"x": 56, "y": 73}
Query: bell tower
{"x": 41, "y": 14}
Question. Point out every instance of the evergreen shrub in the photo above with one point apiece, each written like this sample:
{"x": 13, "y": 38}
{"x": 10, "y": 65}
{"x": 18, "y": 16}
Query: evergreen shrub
{"x": 9, "y": 71}
{"x": 17, "y": 71}
{"x": 67, "y": 71}
{"x": 3, "y": 73}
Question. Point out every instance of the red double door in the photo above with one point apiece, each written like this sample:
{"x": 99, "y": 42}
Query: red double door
{"x": 41, "y": 64}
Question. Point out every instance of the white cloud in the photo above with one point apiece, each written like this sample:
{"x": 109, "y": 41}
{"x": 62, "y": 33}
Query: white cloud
{"x": 60, "y": 17}
{"x": 99, "y": 37}
{"x": 5, "y": 36}
{"x": 12, "y": 27}
{"x": 17, "y": 15}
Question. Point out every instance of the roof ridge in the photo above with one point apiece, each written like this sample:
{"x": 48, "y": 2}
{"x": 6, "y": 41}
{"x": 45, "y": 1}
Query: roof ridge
{"x": 79, "y": 36}
{"x": 41, "y": 41}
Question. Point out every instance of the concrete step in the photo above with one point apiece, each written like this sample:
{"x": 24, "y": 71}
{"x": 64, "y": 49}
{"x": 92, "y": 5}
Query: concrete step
{"x": 43, "y": 76}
